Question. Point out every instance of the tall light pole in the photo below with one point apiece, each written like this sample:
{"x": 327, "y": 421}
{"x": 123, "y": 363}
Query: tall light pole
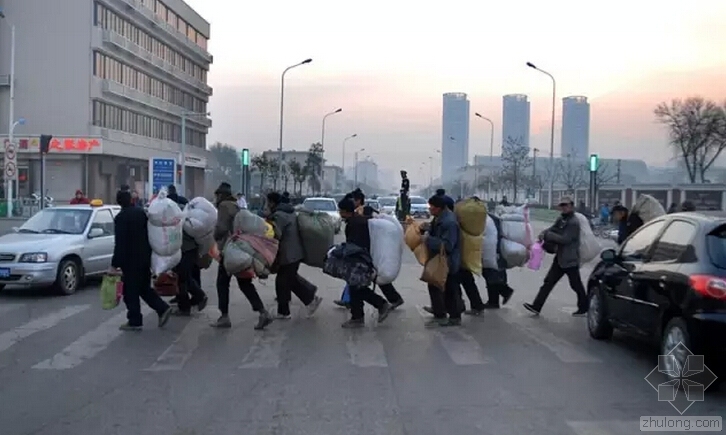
{"x": 282, "y": 112}
{"x": 491, "y": 154}
{"x": 322, "y": 145}
{"x": 183, "y": 149}
{"x": 534, "y": 169}
{"x": 11, "y": 106}
{"x": 552, "y": 133}
{"x": 356, "y": 165}
{"x": 344, "y": 141}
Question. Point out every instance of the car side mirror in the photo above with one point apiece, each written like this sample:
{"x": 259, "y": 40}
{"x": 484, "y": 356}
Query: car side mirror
{"x": 608, "y": 256}
{"x": 95, "y": 232}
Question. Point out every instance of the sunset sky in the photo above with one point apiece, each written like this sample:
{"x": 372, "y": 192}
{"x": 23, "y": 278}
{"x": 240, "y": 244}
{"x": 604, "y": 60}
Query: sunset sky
{"x": 387, "y": 64}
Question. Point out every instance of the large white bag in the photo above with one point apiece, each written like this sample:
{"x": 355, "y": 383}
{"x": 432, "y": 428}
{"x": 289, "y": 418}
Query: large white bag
{"x": 589, "y": 244}
{"x": 515, "y": 224}
{"x": 648, "y": 208}
{"x": 249, "y": 223}
{"x": 200, "y": 217}
{"x": 164, "y": 212}
{"x": 515, "y": 254}
{"x": 164, "y": 263}
{"x": 235, "y": 259}
{"x": 165, "y": 240}
{"x": 386, "y": 249}
{"x": 489, "y": 245}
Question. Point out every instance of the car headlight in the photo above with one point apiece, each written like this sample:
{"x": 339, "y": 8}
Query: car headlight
{"x": 34, "y": 257}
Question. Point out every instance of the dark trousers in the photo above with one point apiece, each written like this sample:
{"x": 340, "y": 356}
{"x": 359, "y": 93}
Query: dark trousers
{"x": 248, "y": 289}
{"x": 288, "y": 282}
{"x": 470, "y": 288}
{"x": 448, "y": 301}
{"x": 497, "y": 285}
{"x": 188, "y": 285}
{"x": 137, "y": 284}
{"x": 553, "y": 276}
{"x": 358, "y": 295}
{"x": 390, "y": 293}
{"x": 197, "y": 273}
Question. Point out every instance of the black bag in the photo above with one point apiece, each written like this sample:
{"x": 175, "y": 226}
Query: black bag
{"x": 350, "y": 263}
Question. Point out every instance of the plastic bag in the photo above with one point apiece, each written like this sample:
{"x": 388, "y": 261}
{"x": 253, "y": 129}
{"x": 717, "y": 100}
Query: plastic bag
{"x": 164, "y": 263}
{"x": 413, "y": 235}
{"x": 386, "y": 249}
{"x": 648, "y": 208}
{"x": 248, "y": 223}
{"x": 589, "y": 248}
{"x": 489, "y": 245}
{"x": 536, "y": 255}
{"x": 515, "y": 224}
{"x": 471, "y": 252}
{"x": 317, "y": 234}
{"x": 163, "y": 212}
{"x": 235, "y": 258}
{"x": 200, "y": 217}
{"x": 515, "y": 254}
{"x": 471, "y": 214}
{"x": 111, "y": 291}
{"x": 165, "y": 240}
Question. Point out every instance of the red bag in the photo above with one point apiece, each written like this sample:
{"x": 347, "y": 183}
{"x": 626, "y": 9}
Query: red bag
{"x": 247, "y": 274}
{"x": 167, "y": 284}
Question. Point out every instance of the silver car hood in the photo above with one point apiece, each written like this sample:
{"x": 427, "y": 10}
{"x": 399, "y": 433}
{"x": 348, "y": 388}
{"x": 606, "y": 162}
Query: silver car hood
{"x": 25, "y": 242}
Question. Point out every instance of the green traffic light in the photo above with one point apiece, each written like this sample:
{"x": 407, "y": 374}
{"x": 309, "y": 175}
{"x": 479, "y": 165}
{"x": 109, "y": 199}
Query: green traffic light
{"x": 594, "y": 162}
{"x": 245, "y": 157}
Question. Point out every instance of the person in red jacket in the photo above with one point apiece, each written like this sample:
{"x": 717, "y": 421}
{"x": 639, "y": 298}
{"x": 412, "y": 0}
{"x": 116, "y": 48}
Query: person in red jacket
{"x": 80, "y": 198}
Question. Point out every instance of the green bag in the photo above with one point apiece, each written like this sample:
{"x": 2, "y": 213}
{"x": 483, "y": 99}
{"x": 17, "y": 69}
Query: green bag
{"x": 111, "y": 291}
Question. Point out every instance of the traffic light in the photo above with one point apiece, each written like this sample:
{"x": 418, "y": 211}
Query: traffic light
{"x": 245, "y": 157}
{"x": 594, "y": 162}
{"x": 45, "y": 143}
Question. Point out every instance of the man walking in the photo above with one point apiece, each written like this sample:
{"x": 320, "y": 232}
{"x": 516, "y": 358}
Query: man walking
{"x": 565, "y": 235}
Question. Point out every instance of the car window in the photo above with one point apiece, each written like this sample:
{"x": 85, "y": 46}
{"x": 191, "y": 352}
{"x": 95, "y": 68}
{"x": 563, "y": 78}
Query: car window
{"x": 320, "y": 205}
{"x": 57, "y": 221}
{"x": 103, "y": 220}
{"x": 418, "y": 200}
{"x": 674, "y": 241}
{"x": 638, "y": 245}
{"x": 716, "y": 245}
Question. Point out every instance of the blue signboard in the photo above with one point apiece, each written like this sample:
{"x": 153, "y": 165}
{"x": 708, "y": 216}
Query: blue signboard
{"x": 163, "y": 173}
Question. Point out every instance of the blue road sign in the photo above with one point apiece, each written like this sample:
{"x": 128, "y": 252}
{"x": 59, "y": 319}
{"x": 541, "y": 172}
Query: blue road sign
{"x": 163, "y": 173}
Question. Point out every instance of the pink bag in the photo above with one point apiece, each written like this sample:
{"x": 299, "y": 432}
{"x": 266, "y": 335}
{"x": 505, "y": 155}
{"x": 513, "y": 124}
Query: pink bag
{"x": 536, "y": 255}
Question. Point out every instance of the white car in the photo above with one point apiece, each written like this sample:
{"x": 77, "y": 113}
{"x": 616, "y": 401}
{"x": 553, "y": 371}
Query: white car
{"x": 388, "y": 204}
{"x": 325, "y": 205}
{"x": 419, "y": 207}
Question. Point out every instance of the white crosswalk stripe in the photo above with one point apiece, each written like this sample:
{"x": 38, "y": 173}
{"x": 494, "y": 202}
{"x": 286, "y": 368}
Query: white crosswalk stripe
{"x": 461, "y": 347}
{"x": 366, "y": 350}
{"x": 266, "y": 352}
{"x": 176, "y": 355}
{"x": 9, "y": 338}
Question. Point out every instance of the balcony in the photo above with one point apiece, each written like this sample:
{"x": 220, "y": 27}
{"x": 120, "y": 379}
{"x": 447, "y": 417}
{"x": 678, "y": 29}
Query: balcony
{"x": 171, "y": 30}
{"x": 136, "y": 50}
{"x": 111, "y": 87}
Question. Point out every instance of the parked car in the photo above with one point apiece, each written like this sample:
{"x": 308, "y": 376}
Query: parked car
{"x": 374, "y": 204}
{"x": 667, "y": 282}
{"x": 325, "y": 205}
{"x": 419, "y": 207}
{"x": 59, "y": 246}
{"x": 388, "y": 204}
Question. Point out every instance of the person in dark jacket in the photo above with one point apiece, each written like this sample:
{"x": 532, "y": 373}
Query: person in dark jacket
{"x": 673, "y": 208}
{"x": 496, "y": 279}
{"x": 565, "y": 234}
{"x": 444, "y": 233}
{"x": 132, "y": 256}
{"x": 226, "y": 210}
{"x": 688, "y": 206}
{"x": 620, "y": 218}
{"x": 449, "y": 200}
{"x": 289, "y": 256}
{"x": 356, "y": 233}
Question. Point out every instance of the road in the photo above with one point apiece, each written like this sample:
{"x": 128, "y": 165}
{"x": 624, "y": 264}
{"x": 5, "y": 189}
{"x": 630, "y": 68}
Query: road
{"x": 66, "y": 369}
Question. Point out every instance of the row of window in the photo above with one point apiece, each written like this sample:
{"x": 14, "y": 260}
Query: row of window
{"x": 107, "y": 19}
{"x": 118, "y": 118}
{"x": 108, "y": 68}
{"x": 166, "y": 14}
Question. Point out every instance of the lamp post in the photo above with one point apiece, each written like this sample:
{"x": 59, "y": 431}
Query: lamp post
{"x": 11, "y": 106}
{"x": 534, "y": 170}
{"x": 356, "y": 165}
{"x": 282, "y": 112}
{"x": 322, "y": 145}
{"x": 552, "y": 133}
{"x": 343, "y": 163}
{"x": 491, "y": 154}
{"x": 183, "y": 149}
{"x": 11, "y": 182}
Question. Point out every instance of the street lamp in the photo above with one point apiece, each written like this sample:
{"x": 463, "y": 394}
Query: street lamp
{"x": 344, "y": 141}
{"x": 322, "y": 144}
{"x": 11, "y": 182}
{"x": 356, "y": 165}
{"x": 552, "y": 133}
{"x": 183, "y": 149}
{"x": 282, "y": 105}
{"x": 491, "y": 154}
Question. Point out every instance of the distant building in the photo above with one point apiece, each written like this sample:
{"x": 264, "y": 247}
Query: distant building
{"x": 333, "y": 179}
{"x": 515, "y": 119}
{"x": 367, "y": 173}
{"x": 454, "y": 133}
{"x": 575, "y": 127}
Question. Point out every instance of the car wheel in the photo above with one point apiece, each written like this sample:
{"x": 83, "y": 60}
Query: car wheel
{"x": 597, "y": 319}
{"x": 69, "y": 277}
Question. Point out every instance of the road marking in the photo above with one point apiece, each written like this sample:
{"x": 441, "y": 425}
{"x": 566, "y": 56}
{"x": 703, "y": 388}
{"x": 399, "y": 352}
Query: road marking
{"x": 9, "y": 338}
{"x": 614, "y": 427}
{"x": 266, "y": 351}
{"x": 88, "y": 345}
{"x": 462, "y": 348}
{"x": 176, "y": 355}
{"x": 366, "y": 350}
{"x": 563, "y": 349}
{"x": 6, "y": 308}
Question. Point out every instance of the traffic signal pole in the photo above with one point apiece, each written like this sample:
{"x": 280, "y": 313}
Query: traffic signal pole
{"x": 244, "y": 172}
{"x": 44, "y": 148}
{"x": 594, "y": 167}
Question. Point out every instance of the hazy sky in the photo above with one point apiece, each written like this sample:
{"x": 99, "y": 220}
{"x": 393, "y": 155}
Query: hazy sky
{"x": 387, "y": 64}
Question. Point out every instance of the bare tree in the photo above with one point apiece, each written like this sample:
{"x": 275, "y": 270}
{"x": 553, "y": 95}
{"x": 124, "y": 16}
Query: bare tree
{"x": 571, "y": 172}
{"x": 515, "y": 160}
{"x": 697, "y": 131}
{"x": 605, "y": 174}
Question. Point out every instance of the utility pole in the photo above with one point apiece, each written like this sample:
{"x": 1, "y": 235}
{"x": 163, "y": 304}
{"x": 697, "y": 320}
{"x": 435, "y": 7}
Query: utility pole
{"x": 618, "y": 173}
{"x": 534, "y": 171}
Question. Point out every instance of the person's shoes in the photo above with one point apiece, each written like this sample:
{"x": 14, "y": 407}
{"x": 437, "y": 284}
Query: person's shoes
{"x": 164, "y": 317}
{"x": 475, "y": 313}
{"x": 130, "y": 328}
{"x": 428, "y": 310}
{"x": 383, "y": 312}
{"x": 264, "y": 320}
{"x": 279, "y": 316}
{"x": 175, "y": 311}
{"x": 580, "y": 313}
{"x": 201, "y": 305}
{"x": 491, "y": 306}
{"x": 531, "y": 308}
{"x": 396, "y": 304}
{"x": 341, "y": 304}
{"x": 222, "y": 322}
{"x": 507, "y": 297}
{"x": 313, "y": 306}
{"x": 353, "y": 324}
{"x": 436, "y": 322}
{"x": 452, "y": 322}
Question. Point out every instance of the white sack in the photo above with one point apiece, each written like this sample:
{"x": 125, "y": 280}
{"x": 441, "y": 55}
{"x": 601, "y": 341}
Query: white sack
{"x": 200, "y": 217}
{"x": 249, "y": 223}
{"x": 515, "y": 224}
{"x": 164, "y": 212}
{"x": 515, "y": 254}
{"x": 235, "y": 259}
{"x": 164, "y": 263}
{"x": 165, "y": 240}
{"x": 589, "y": 244}
{"x": 648, "y": 208}
{"x": 489, "y": 245}
{"x": 386, "y": 249}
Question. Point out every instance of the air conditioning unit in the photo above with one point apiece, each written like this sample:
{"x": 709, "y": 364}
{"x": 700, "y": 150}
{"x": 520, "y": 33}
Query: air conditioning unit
{"x": 5, "y": 80}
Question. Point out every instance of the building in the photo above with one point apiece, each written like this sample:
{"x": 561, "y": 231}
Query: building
{"x": 333, "y": 179}
{"x": 110, "y": 84}
{"x": 366, "y": 173}
{"x": 575, "y": 127}
{"x": 454, "y": 133}
{"x": 515, "y": 119}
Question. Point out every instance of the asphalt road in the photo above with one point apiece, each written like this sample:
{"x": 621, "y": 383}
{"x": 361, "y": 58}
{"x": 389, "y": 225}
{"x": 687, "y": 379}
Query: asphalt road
{"x": 66, "y": 369}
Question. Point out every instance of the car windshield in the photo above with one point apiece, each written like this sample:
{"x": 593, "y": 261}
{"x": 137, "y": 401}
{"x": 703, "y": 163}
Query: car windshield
{"x": 417, "y": 200}
{"x": 716, "y": 243}
{"x": 387, "y": 202}
{"x": 320, "y": 205}
{"x": 57, "y": 221}
{"x": 373, "y": 204}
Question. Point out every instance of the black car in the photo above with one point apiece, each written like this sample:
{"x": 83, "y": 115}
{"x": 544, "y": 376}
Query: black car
{"x": 667, "y": 282}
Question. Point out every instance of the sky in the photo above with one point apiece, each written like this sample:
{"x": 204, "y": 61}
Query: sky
{"x": 387, "y": 64}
